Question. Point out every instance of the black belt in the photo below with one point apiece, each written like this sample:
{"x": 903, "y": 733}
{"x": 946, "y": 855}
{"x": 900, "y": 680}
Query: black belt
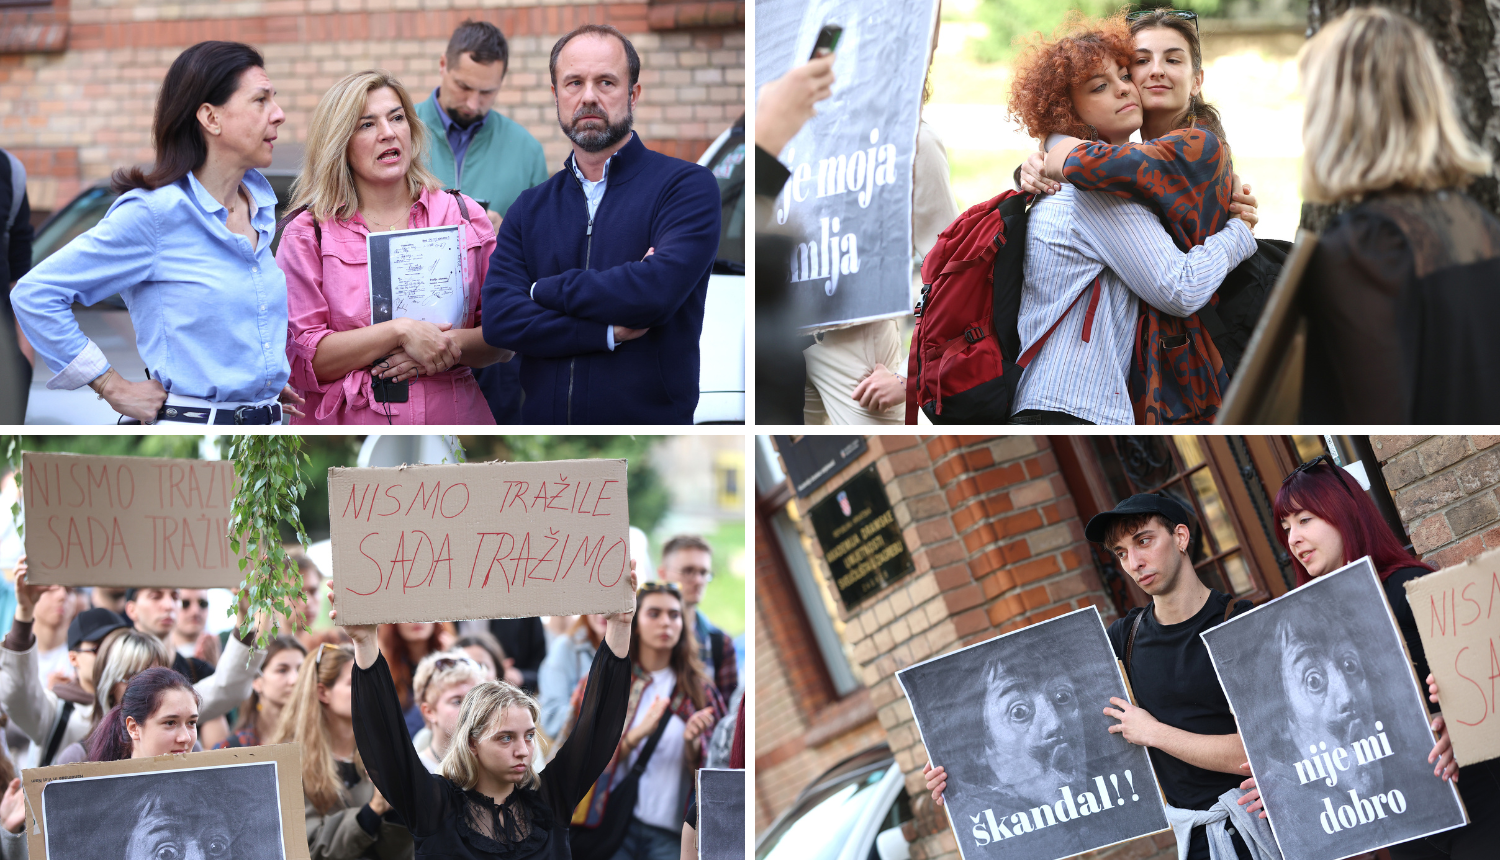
{"x": 268, "y": 414}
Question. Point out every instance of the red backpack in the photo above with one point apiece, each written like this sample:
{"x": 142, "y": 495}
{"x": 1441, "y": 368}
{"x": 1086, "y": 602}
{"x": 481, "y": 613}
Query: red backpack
{"x": 965, "y": 362}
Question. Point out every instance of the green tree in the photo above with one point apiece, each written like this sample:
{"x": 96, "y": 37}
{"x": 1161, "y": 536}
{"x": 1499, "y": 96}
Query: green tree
{"x": 1009, "y": 20}
{"x": 648, "y": 494}
{"x": 271, "y": 480}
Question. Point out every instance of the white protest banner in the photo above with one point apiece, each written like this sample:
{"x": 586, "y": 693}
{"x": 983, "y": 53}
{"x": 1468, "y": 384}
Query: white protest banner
{"x": 848, "y": 202}
{"x": 1458, "y": 617}
{"x": 480, "y": 540}
{"x": 126, "y": 522}
{"x": 1332, "y": 719}
{"x": 1018, "y": 724}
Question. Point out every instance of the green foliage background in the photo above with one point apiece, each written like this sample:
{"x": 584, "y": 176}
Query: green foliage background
{"x": 1009, "y": 20}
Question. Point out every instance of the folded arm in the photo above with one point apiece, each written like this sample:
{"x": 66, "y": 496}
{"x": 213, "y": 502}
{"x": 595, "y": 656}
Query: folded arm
{"x": 513, "y": 321}
{"x": 646, "y": 293}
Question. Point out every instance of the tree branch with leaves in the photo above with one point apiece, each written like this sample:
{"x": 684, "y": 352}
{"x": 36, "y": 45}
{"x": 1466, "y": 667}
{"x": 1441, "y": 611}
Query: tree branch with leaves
{"x": 269, "y": 470}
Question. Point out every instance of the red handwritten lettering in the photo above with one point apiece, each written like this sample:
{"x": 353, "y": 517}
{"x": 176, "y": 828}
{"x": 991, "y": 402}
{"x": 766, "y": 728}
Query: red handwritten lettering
{"x": 378, "y": 577}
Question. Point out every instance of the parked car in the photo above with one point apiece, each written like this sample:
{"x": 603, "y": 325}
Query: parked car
{"x": 721, "y": 348}
{"x": 854, "y": 811}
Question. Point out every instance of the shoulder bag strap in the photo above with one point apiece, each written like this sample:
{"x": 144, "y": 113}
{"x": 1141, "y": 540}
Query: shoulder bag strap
{"x": 463, "y": 208}
{"x": 650, "y": 747}
{"x": 55, "y": 741}
{"x": 1130, "y": 640}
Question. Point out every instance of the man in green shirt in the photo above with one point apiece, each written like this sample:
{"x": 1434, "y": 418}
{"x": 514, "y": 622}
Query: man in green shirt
{"x": 489, "y": 157}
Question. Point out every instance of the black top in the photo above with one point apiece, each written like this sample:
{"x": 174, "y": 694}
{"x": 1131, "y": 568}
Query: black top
{"x": 1395, "y": 592}
{"x": 525, "y": 642}
{"x": 1174, "y": 680}
{"x": 191, "y": 668}
{"x": 17, "y": 260}
{"x": 449, "y": 822}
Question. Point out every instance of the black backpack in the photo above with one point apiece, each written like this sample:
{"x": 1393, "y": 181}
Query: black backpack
{"x": 1242, "y": 298}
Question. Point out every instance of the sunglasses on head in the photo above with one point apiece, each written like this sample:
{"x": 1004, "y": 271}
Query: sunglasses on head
{"x": 318, "y": 660}
{"x": 1175, "y": 13}
{"x": 1319, "y": 460}
{"x": 659, "y": 587}
{"x": 187, "y": 603}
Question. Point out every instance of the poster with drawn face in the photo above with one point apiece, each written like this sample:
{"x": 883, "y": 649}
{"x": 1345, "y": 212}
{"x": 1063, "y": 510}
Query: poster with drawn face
{"x": 847, "y": 205}
{"x": 1018, "y": 724}
{"x": 1333, "y": 720}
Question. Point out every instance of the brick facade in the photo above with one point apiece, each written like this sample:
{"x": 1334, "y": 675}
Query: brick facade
{"x": 79, "y": 114}
{"x": 997, "y": 544}
{"x": 1447, "y": 491}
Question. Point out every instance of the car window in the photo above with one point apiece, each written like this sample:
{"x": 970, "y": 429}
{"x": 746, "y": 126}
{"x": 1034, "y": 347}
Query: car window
{"x": 728, "y": 167}
{"x": 77, "y": 217}
{"x": 823, "y": 822}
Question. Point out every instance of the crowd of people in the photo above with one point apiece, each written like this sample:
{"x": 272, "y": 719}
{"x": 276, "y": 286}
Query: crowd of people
{"x": 1135, "y": 307}
{"x": 1325, "y": 520}
{"x": 577, "y": 736}
{"x": 582, "y": 293}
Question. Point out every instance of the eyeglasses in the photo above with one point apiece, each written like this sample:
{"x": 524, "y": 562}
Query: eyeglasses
{"x": 1175, "y": 13}
{"x": 187, "y": 603}
{"x": 659, "y": 587}
{"x": 1313, "y": 463}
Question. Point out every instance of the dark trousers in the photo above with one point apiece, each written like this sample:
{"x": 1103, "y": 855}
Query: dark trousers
{"x": 501, "y": 384}
{"x": 1044, "y": 416}
{"x": 1479, "y": 786}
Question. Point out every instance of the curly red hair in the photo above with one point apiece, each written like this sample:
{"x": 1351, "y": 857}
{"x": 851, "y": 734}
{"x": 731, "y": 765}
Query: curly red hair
{"x": 1046, "y": 71}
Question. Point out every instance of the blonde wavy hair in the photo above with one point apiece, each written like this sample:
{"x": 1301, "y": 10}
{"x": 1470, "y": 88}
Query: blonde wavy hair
{"x": 303, "y": 723}
{"x": 1380, "y": 112}
{"x": 326, "y": 184}
{"x": 483, "y": 708}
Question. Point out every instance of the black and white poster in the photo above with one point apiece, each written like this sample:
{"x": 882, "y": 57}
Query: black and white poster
{"x": 1018, "y": 724}
{"x": 1333, "y": 719}
{"x": 224, "y": 813}
{"x": 721, "y": 814}
{"x": 848, "y": 202}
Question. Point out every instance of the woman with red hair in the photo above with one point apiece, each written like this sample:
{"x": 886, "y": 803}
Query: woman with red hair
{"x": 404, "y": 646}
{"x": 1327, "y": 521}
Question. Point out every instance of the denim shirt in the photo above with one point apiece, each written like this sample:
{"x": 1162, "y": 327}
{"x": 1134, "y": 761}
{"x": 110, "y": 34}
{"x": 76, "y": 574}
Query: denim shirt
{"x": 209, "y": 312}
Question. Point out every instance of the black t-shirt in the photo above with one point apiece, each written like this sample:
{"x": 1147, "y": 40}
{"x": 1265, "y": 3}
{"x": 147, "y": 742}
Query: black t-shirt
{"x": 1174, "y": 680}
{"x": 1395, "y": 592}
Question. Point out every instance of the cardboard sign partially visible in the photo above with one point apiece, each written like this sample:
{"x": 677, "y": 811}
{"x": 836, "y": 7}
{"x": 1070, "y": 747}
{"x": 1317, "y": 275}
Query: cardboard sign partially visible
{"x": 480, "y": 540}
{"x": 1458, "y": 616}
{"x": 721, "y": 814}
{"x": 234, "y": 800}
{"x": 125, "y": 522}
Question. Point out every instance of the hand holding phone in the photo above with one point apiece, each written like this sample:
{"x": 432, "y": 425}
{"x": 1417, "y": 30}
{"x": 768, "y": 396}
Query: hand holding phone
{"x": 828, "y": 41}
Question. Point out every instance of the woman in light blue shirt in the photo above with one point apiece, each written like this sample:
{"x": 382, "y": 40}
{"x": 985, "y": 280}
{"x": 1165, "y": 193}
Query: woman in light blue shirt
{"x": 188, "y": 246}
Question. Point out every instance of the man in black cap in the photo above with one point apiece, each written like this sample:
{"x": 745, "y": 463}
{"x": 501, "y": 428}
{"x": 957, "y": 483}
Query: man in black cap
{"x": 1181, "y": 714}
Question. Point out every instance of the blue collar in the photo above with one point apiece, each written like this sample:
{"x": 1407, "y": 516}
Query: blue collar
{"x": 261, "y": 193}
{"x": 448, "y": 123}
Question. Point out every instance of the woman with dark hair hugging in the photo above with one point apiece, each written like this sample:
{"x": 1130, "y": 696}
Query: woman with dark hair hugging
{"x": 1090, "y": 255}
{"x": 188, "y": 246}
{"x": 489, "y": 801}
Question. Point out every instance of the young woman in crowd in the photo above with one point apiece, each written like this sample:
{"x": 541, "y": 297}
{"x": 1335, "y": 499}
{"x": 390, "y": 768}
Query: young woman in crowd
{"x": 365, "y": 174}
{"x": 443, "y": 680}
{"x": 272, "y": 688}
{"x": 157, "y": 715}
{"x": 568, "y": 659}
{"x": 346, "y": 816}
{"x": 489, "y": 801}
{"x": 668, "y": 683}
{"x": 1399, "y": 294}
{"x": 1327, "y": 521}
{"x": 188, "y": 245}
{"x": 406, "y": 645}
{"x": 487, "y": 651}
{"x": 1110, "y": 249}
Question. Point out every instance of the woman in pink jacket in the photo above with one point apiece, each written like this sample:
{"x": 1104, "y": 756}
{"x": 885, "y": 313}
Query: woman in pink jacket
{"x": 363, "y": 175}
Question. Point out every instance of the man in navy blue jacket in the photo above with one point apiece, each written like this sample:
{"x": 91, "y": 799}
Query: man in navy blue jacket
{"x": 600, "y": 273}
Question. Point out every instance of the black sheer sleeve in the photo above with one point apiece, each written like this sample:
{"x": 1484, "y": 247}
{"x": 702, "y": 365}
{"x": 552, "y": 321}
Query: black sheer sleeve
{"x": 590, "y": 746}
{"x": 385, "y": 745}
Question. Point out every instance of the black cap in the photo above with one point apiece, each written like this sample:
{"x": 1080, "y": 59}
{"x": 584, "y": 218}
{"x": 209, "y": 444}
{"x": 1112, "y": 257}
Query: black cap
{"x": 1141, "y": 503}
{"x": 130, "y": 594}
{"x": 91, "y": 625}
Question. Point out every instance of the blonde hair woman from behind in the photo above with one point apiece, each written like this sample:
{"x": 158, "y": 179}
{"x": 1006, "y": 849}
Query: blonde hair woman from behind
{"x": 1399, "y": 294}
{"x": 364, "y": 173}
{"x": 346, "y": 817}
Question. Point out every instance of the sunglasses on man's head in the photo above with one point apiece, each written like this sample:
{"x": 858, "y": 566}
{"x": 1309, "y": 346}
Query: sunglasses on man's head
{"x": 187, "y": 603}
{"x": 1175, "y": 13}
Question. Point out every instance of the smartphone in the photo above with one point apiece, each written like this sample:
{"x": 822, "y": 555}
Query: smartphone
{"x": 828, "y": 40}
{"x": 386, "y": 390}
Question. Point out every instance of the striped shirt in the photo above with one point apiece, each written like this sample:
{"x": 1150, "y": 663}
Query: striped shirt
{"x": 1074, "y": 235}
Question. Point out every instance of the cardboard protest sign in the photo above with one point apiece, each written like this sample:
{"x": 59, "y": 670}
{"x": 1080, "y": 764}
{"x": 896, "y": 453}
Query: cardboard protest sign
{"x": 721, "y": 814}
{"x": 1332, "y": 719}
{"x": 1018, "y": 724}
{"x": 847, "y": 204}
{"x": 480, "y": 540}
{"x": 1458, "y": 617}
{"x": 126, "y": 522}
{"x": 244, "y": 803}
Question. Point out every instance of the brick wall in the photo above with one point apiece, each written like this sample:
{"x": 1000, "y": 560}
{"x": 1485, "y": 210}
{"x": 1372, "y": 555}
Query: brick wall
{"x": 97, "y": 97}
{"x": 1447, "y": 491}
{"x": 997, "y": 545}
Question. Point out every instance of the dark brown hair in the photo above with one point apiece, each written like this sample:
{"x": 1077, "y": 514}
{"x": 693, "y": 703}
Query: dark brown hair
{"x": 682, "y": 542}
{"x": 208, "y": 72}
{"x": 631, "y": 57}
{"x": 250, "y": 715}
{"x": 481, "y": 40}
{"x": 110, "y": 741}
{"x": 1205, "y": 114}
{"x": 692, "y": 678}
{"x": 1128, "y": 524}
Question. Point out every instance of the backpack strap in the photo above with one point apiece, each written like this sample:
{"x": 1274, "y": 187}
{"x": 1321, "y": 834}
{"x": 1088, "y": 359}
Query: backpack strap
{"x": 463, "y": 209}
{"x": 55, "y": 739}
{"x": 1088, "y": 324}
{"x": 1130, "y": 640}
{"x": 292, "y": 216}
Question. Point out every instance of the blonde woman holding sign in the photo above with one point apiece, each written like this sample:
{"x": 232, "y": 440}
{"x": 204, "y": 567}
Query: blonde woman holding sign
{"x": 489, "y": 801}
{"x": 364, "y": 176}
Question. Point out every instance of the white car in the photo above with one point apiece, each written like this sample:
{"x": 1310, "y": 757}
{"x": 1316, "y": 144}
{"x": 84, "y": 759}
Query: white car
{"x": 721, "y": 347}
{"x": 854, "y": 811}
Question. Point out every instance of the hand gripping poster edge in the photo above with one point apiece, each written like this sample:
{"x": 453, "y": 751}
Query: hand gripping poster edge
{"x": 948, "y": 810}
{"x": 1416, "y": 688}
